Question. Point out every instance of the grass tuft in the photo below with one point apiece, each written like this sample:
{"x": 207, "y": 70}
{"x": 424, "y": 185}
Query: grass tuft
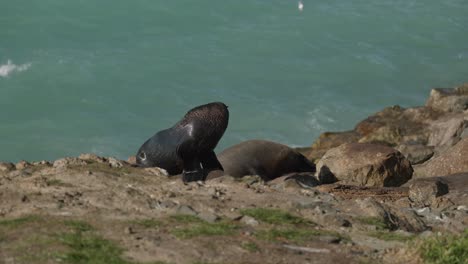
{"x": 186, "y": 219}
{"x": 13, "y": 223}
{"x": 205, "y": 229}
{"x": 446, "y": 249}
{"x": 85, "y": 247}
{"x": 78, "y": 226}
{"x": 148, "y": 223}
{"x": 375, "y": 221}
{"x": 293, "y": 235}
{"x": 250, "y": 246}
{"x": 274, "y": 216}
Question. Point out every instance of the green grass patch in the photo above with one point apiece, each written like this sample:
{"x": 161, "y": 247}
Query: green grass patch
{"x": 274, "y": 216}
{"x": 78, "y": 226}
{"x": 34, "y": 239}
{"x": 446, "y": 249}
{"x": 148, "y": 223}
{"x": 13, "y": 223}
{"x": 250, "y": 246}
{"x": 391, "y": 236}
{"x": 286, "y": 234}
{"x": 375, "y": 221}
{"x": 205, "y": 229}
{"x": 186, "y": 219}
{"x": 86, "y": 247}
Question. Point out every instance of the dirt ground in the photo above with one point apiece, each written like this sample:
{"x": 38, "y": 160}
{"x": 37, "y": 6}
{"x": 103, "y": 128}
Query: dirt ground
{"x": 96, "y": 210}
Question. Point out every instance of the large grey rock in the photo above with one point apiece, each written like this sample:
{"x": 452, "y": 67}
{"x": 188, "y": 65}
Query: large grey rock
{"x": 396, "y": 125}
{"x": 91, "y": 157}
{"x": 6, "y": 166}
{"x": 457, "y": 183}
{"x": 449, "y": 99}
{"x": 67, "y": 162}
{"x": 294, "y": 181}
{"x": 446, "y": 131}
{"x": 425, "y": 192}
{"x": 367, "y": 165}
{"x": 416, "y": 153}
{"x": 330, "y": 140}
{"x": 453, "y": 160}
{"x": 22, "y": 165}
{"x": 392, "y": 217}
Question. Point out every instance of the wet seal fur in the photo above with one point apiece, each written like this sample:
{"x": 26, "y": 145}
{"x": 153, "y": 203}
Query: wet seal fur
{"x": 188, "y": 146}
{"x": 267, "y": 159}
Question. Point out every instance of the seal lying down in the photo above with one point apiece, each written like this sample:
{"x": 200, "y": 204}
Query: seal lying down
{"x": 188, "y": 146}
{"x": 267, "y": 159}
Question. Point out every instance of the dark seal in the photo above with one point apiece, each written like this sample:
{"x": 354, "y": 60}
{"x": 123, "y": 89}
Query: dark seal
{"x": 267, "y": 159}
{"x": 188, "y": 146}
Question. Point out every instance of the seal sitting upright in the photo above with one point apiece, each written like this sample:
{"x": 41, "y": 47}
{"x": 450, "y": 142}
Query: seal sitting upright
{"x": 188, "y": 146}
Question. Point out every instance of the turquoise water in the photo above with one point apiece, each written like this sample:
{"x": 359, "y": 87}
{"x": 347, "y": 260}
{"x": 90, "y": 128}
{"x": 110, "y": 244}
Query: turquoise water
{"x": 103, "y": 76}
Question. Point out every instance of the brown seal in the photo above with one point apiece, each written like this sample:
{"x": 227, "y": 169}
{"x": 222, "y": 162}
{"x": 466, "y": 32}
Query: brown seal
{"x": 267, "y": 159}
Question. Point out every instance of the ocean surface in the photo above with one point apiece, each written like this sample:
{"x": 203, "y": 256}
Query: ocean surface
{"x": 103, "y": 76}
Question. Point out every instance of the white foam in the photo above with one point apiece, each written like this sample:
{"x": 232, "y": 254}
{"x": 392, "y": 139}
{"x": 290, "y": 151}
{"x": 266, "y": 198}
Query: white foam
{"x": 300, "y": 5}
{"x": 9, "y": 68}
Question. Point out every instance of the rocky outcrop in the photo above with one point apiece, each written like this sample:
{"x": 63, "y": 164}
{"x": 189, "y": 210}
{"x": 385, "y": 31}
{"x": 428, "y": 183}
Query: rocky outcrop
{"x": 367, "y": 165}
{"x": 424, "y": 192}
{"x": 396, "y": 125}
{"x": 440, "y": 124}
{"x": 446, "y": 131}
{"x": 416, "y": 153}
{"x": 330, "y": 140}
{"x": 449, "y": 100}
{"x": 6, "y": 166}
{"x": 453, "y": 160}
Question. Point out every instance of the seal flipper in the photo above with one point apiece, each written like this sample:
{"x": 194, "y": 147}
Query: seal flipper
{"x": 187, "y": 152}
{"x": 210, "y": 162}
{"x": 193, "y": 171}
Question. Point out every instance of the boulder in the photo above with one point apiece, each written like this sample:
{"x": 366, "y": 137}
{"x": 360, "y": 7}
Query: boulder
{"x": 22, "y": 165}
{"x": 330, "y": 140}
{"x": 416, "y": 153}
{"x": 6, "y": 166}
{"x": 446, "y": 131}
{"x": 115, "y": 163}
{"x": 449, "y": 99}
{"x": 91, "y": 157}
{"x": 453, "y": 160}
{"x": 367, "y": 165}
{"x": 396, "y": 125}
{"x": 456, "y": 183}
{"x": 68, "y": 162}
{"x": 424, "y": 192}
{"x": 294, "y": 181}
{"x": 383, "y": 215}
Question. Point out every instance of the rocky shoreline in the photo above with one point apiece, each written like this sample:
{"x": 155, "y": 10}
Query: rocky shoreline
{"x": 400, "y": 196}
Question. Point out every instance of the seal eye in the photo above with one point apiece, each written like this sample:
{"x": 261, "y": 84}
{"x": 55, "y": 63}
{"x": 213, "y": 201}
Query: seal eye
{"x": 142, "y": 156}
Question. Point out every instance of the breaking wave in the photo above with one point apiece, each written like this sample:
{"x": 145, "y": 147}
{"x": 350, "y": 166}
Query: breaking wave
{"x": 9, "y": 68}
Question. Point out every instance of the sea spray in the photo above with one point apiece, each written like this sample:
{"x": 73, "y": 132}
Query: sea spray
{"x": 9, "y": 68}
